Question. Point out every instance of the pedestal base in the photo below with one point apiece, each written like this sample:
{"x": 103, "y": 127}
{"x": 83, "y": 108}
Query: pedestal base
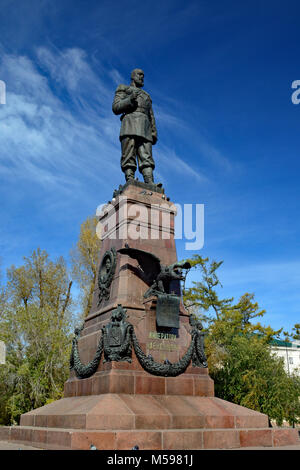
{"x": 153, "y": 422}
{"x": 125, "y": 378}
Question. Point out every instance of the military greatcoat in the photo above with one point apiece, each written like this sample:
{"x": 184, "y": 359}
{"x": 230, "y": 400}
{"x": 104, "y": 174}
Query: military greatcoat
{"x": 137, "y": 115}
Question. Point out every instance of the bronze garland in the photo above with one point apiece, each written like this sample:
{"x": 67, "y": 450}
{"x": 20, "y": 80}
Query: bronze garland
{"x": 195, "y": 353}
{"x": 84, "y": 371}
{"x": 199, "y": 358}
{"x": 166, "y": 369}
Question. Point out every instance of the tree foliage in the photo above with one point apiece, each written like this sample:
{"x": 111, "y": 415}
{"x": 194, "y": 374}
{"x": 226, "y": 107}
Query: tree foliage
{"x": 295, "y": 333}
{"x": 35, "y": 324}
{"x": 237, "y": 346}
{"x": 202, "y": 298}
{"x": 251, "y": 376}
{"x": 84, "y": 261}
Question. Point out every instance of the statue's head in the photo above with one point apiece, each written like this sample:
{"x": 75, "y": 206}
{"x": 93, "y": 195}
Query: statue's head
{"x": 137, "y": 77}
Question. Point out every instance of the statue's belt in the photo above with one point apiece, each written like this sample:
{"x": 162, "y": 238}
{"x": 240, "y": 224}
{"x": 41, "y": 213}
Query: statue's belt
{"x": 139, "y": 109}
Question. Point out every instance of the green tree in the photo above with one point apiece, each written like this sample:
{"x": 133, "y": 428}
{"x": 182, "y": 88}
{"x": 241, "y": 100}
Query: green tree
{"x": 237, "y": 346}
{"x": 84, "y": 261}
{"x": 251, "y": 376}
{"x": 296, "y": 331}
{"x": 201, "y": 298}
{"x": 36, "y": 324}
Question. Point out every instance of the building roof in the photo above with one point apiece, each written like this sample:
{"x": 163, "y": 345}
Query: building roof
{"x": 284, "y": 344}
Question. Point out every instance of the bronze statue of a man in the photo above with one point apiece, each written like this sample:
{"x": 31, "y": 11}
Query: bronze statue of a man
{"x": 138, "y": 131}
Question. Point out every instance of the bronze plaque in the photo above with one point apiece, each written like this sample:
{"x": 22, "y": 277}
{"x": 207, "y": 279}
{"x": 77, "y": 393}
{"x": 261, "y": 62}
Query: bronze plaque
{"x": 167, "y": 310}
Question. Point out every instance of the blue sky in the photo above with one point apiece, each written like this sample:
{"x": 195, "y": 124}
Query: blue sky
{"x": 219, "y": 74}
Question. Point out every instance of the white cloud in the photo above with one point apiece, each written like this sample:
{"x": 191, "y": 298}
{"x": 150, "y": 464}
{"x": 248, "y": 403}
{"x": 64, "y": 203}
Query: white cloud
{"x": 41, "y": 139}
{"x": 213, "y": 155}
{"x": 70, "y": 68}
{"x": 173, "y": 163}
{"x": 210, "y": 154}
{"x": 117, "y": 77}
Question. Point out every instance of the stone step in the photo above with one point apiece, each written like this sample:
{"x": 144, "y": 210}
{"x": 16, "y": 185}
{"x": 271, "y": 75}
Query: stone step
{"x": 135, "y": 412}
{"x": 165, "y": 439}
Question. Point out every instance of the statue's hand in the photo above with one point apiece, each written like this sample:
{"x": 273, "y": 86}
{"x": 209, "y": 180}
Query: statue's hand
{"x": 134, "y": 94}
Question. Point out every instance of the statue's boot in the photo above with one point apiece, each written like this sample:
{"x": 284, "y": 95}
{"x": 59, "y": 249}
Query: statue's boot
{"x": 129, "y": 174}
{"x": 148, "y": 176}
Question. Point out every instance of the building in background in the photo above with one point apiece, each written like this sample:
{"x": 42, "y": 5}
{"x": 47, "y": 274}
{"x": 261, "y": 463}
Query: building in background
{"x": 290, "y": 352}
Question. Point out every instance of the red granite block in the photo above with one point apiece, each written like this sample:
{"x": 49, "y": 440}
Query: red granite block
{"x": 181, "y": 385}
{"x": 20, "y": 433}
{"x": 39, "y": 436}
{"x": 149, "y": 414}
{"x": 256, "y": 437}
{"x": 27, "y": 420}
{"x": 182, "y": 440}
{"x": 224, "y": 439}
{"x": 183, "y": 414}
{"x": 110, "y": 421}
{"x": 59, "y": 439}
{"x": 285, "y": 437}
{"x": 55, "y": 421}
{"x": 84, "y": 387}
{"x": 203, "y": 386}
{"x": 74, "y": 421}
{"x": 112, "y": 382}
{"x": 70, "y": 388}
{"x": 187, "y": 422}
{"x": 149, "y": 385}
{"x": 251, "y": 421}
{"x": 146, "y": 440}
{"x": 5, "y": 433}
{"x": 40, "y": 420}
{"x": 244, "y": 417}
{"x": 215, "y": 416}
{"x": 109, "y": 412}
{"x": 102, "y": 440}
